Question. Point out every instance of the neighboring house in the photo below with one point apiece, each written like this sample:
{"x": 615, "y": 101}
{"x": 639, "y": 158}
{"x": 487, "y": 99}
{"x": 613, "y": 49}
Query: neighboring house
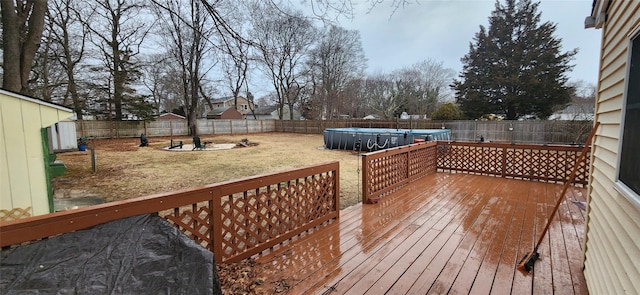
{"x": 271, "y": 112}
{"x": 170, "y": 116}
{"x": 25, "y": 187}
{"x": 264, "y": 113}
{"x": 612, "y": 248}
{"x": 244, "y": 105}
{"x": 224, "y": 113}
{"x": 580, "y": 110}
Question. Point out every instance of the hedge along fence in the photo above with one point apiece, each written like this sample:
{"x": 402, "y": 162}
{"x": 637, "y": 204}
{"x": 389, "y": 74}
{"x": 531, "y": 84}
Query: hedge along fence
{"x": 555, "y": 132}
{"x": 539, "y": 132}
{"x": 123, "y": 129}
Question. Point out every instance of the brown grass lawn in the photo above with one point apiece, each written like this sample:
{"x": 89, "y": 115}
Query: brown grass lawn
{"x": 126, "y": 171}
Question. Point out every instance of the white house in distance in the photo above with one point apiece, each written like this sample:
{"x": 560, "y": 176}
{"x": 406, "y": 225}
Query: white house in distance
{"x": 272, "y": 113}
{"x": 25, "y": 188}
{"x": 612, "y": 247}
{"x": 577, "y": 110}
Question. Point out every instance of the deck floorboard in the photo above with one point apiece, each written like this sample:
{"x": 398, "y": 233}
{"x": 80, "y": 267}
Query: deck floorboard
{"x": 445, "y": 233}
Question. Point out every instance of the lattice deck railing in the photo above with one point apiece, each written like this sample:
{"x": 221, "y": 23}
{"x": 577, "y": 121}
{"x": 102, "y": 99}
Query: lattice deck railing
{"x": 234, "y": 219}
{"x": 383, "y": 172}
{"x": 551, "y": 163}
{"x": 387, "y": 170}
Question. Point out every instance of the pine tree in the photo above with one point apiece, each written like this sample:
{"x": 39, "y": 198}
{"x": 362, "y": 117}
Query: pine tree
{"x": 516, "y": 67}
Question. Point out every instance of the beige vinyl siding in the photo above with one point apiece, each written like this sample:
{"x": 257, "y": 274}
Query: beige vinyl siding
{"x": 610, "y": 101}
{"x": 613, "y": 231}
{"x": 605, "y": 158}
{"x": 615, "y": 66}
{"x": 609, "y": 117}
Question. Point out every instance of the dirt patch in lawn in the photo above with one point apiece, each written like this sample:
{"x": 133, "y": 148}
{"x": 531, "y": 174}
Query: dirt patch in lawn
{"x": 126, "y": 171}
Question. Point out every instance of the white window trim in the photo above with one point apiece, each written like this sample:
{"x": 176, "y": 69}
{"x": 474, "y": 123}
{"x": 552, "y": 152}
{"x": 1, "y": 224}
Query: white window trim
{"x": 624, "y": 190}
{"x": 619, "y": 186}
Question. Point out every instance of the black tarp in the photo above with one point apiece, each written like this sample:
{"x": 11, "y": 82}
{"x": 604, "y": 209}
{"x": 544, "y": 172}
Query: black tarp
{"x": 136, "y": 255}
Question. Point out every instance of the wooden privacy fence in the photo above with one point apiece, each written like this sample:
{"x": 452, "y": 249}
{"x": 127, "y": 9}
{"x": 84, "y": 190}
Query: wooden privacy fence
{"x": 533, "y": 131}
{"x": 123, "y": 129}
{"x": 234, "y": 219}
{"x": 386, "y": 171}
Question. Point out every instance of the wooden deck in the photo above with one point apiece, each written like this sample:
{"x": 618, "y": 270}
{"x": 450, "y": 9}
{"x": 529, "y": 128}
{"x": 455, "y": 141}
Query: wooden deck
{"x": 445, "y": 233}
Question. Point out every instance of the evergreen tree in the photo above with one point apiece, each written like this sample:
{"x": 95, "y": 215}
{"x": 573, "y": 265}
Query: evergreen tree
{"x": 516, "y": 67}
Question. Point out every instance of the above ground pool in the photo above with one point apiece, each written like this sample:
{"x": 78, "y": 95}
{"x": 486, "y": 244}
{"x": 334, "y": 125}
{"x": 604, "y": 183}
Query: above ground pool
{"x": 373, "y": 139}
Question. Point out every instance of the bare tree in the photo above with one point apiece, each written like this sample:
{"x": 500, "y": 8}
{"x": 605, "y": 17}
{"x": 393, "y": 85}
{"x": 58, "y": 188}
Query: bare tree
{"x": 326, "y": 11}
{"x": 583, "y": 89}
{"x": 22, "y": 27}
{"x": 236, "y": 54}
{"x": 283, "y": 40}
{"x": 159, "y": 81}
{"x": 23, "y": 22}
{"x": 47, "y": 75}
{"x": 422, "y": 86}
{"x": 335, "y": 61}
{"x": 69, "y": 34}
{"x": 187, "y": 32}
{"x": 355, "y": 106}
{"x": 383, "y": 97}
{"x": 118, "y": 30}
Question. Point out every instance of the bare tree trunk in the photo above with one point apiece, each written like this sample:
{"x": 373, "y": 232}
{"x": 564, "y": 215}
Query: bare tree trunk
{"x": 119, "y": 78}
{"x": 45, "y": 92}
{"x": 119, "y": 36}
{"x": 22, "y": 27}
{"x": 188, "y": 34}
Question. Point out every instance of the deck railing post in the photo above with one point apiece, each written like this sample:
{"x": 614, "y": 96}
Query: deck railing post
{"x": 408, "y": 163}
{"x": 336, "y": 189}
{"x": 216, "y": 231}
{"x": 365, "y": 176}
{"x": 211, "y": 221}
{"x": 504, "y": 162}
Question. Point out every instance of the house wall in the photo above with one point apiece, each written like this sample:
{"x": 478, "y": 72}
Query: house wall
{"x": 613, "y": 229}
{"x": 243, "y": 101}
{"x": 286, "y": 114}
{"x": 229, "y": 103}
{"x": 23, "y": 182}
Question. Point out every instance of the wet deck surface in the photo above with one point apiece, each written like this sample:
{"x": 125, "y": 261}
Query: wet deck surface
{"x": 446, "y": 233}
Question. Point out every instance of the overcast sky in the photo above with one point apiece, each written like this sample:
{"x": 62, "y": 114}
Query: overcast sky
{"x": 441, "y": 30}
